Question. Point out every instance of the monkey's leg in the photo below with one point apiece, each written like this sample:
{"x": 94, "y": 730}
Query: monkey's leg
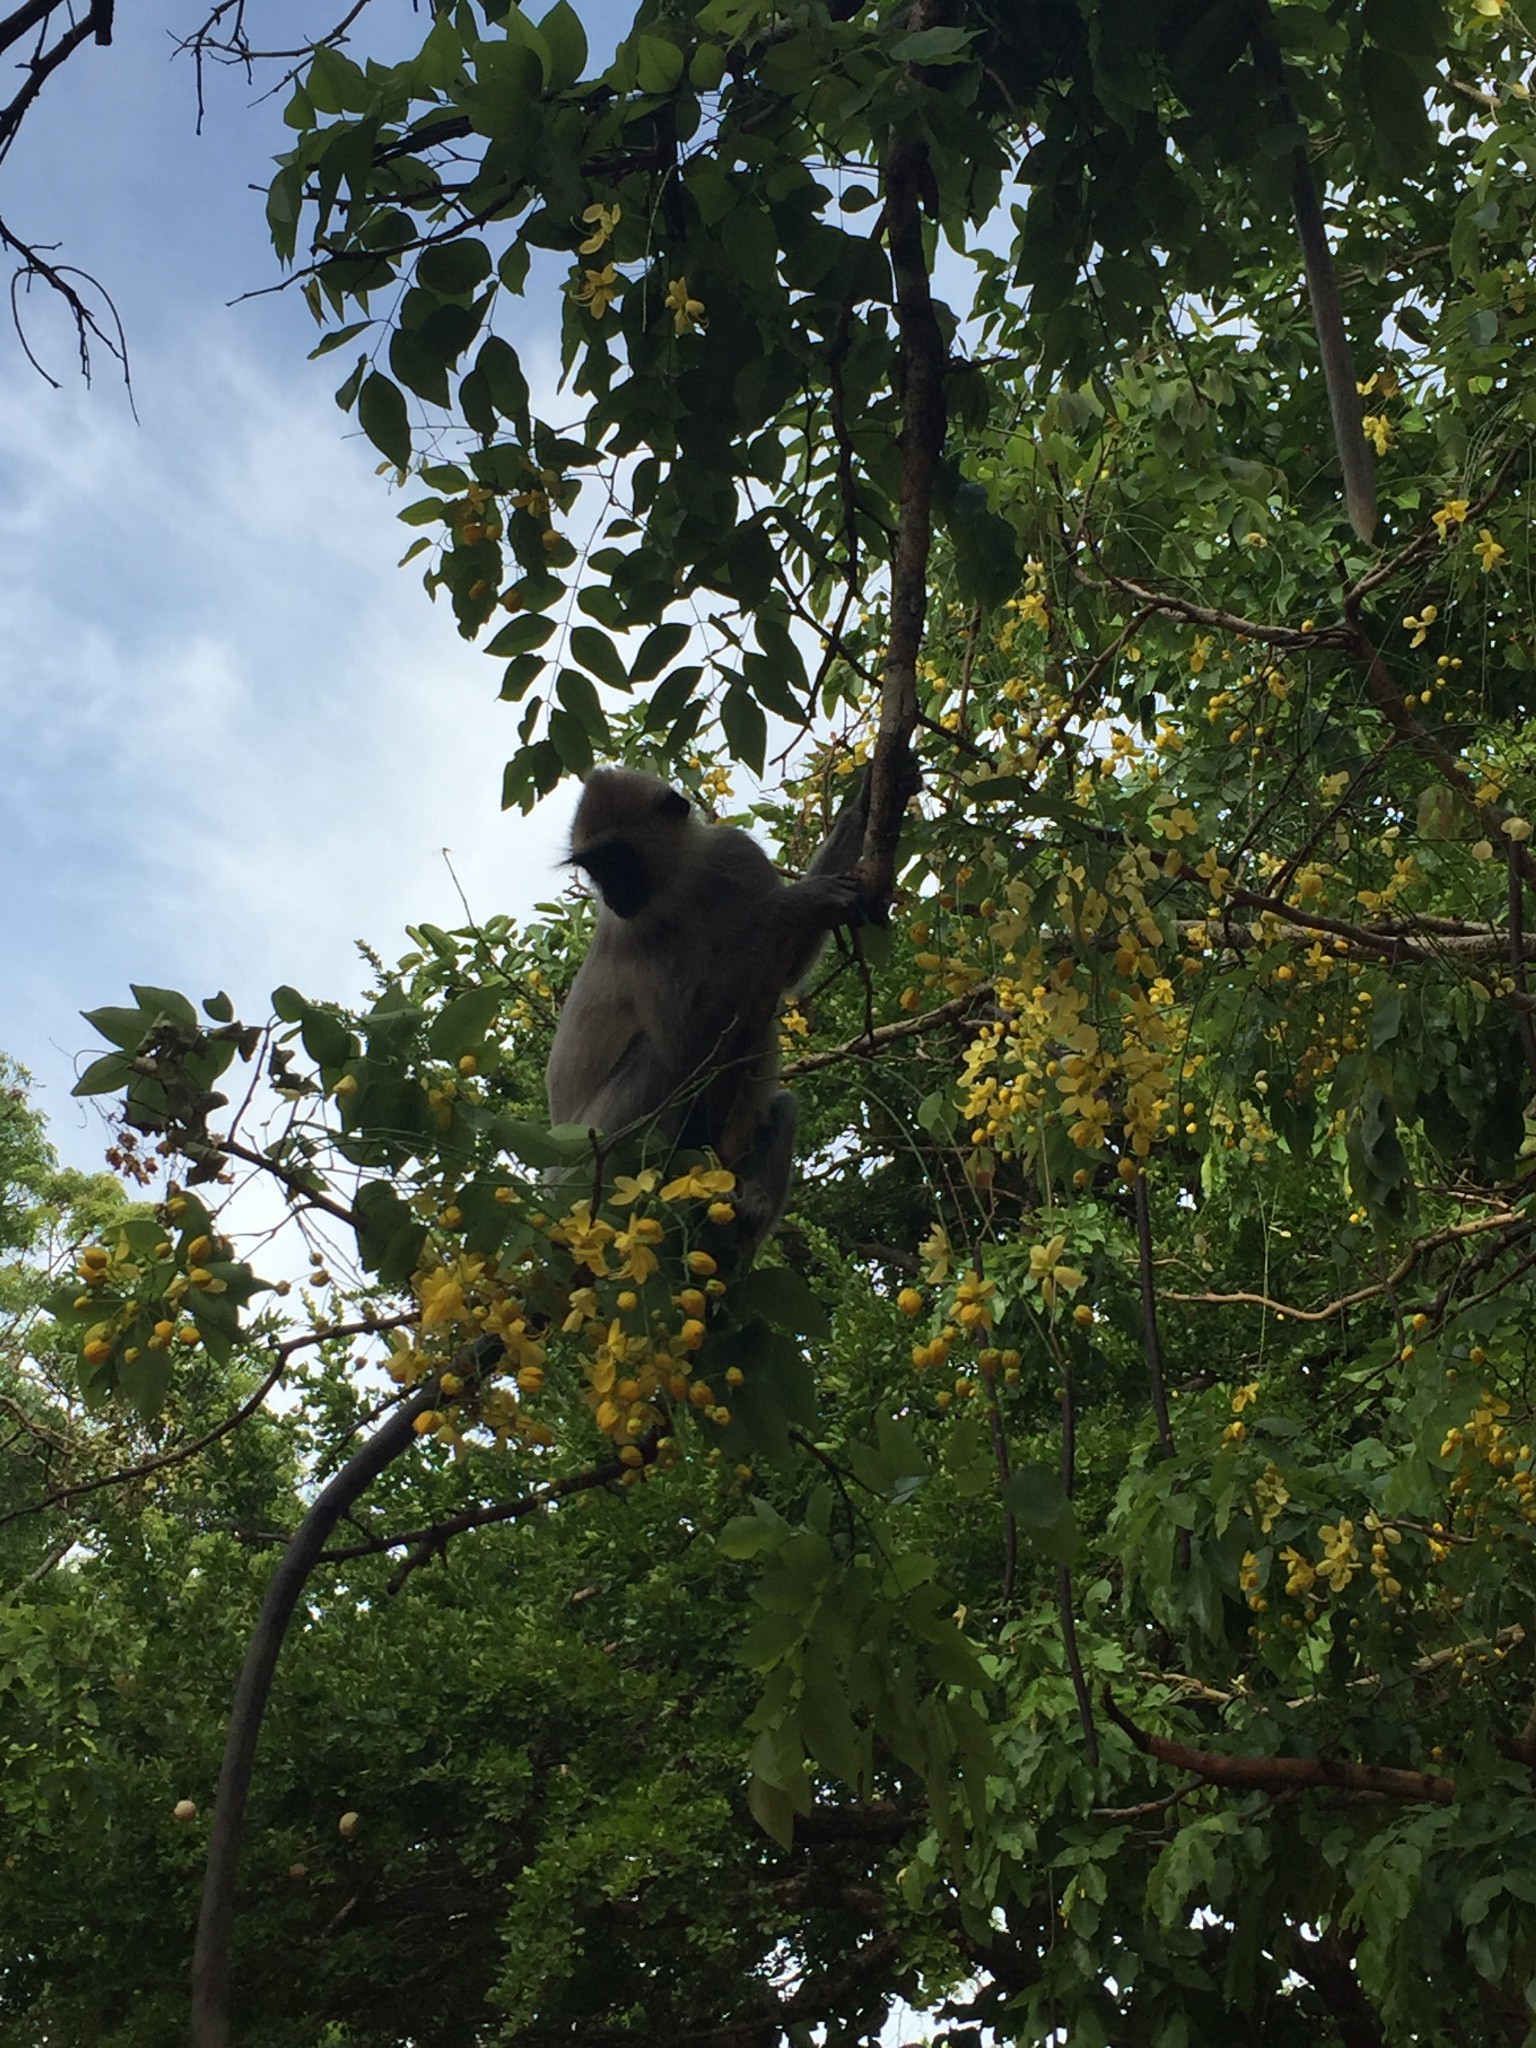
{"x": 762, "y": 1174}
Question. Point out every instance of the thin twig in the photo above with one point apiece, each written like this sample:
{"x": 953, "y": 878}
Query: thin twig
{"x": 1287, "y": 1311}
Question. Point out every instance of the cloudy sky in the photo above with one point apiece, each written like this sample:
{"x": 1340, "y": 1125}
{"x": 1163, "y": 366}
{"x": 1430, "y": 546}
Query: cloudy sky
{"x": 234, "y": 738}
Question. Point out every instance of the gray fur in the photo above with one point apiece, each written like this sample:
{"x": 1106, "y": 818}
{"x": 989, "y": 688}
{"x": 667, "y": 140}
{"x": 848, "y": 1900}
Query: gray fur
{"x": 672, "y": 1018}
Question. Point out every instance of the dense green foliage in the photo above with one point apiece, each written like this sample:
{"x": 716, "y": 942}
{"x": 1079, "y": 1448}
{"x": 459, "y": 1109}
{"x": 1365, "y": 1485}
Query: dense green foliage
{"x": 1079, "y": 1582}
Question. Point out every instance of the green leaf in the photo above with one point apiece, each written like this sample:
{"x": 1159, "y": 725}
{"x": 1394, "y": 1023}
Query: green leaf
{"x": 1033, "y": 1495}
{"x": 340, "y": 338}
{"x": 773, "y": 1811}
{"x": 326, "y": 1039}
{"x": 745, "y": 727}
{"x": 122, "y": 1027}
{"x": 461, "y": 1024}
{"x": 521, "y": 671}
{"x": 114, "y": 1070}
{"x": 453, "y": 269}
{"x": 346, "y": 394}
{"x": 930, "y": 46}
{"x": 784, "y": 1299}
{"x": 661, "y": 645}
{"x": 667, "y": 702}
{"x": 562, "y": 30}
{"x": 770, "y": 1639}
{"x": 161, "y": 1003}
{"x": 565, "y": 1145}
{"x": 578, "y": 694}
{"x": 382, "y": 416}
{"x": 597, "y": 654}
{"x": 1400, "y": 120}
{"x": 419, "y": 367}
{"x": 390, "y": 1234}
{"x": 747, "y": 1536}
{"x": 658, "y": 64}
{"x": 526, "y": 632}
{"x": 706, "y": 67}
{"x": 498, "y": 363}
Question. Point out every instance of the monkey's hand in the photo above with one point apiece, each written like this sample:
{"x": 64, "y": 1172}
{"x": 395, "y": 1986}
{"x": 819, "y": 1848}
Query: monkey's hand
{"x": 820, "y": 903}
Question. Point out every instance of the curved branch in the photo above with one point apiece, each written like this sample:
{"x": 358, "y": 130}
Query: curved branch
{"x": 1284, "y": 1773}
{"x": 210, "y": 1958}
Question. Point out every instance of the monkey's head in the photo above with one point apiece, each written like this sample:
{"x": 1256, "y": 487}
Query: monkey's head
{"x": 628, "y": 836}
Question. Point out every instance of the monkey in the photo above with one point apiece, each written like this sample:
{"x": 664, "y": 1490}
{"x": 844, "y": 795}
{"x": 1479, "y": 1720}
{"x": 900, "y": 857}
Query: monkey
{"x": 671, "y": 1020}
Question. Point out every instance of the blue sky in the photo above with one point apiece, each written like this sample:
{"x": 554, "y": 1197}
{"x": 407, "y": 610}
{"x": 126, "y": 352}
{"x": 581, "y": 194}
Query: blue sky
{"x": 234, "y": 737}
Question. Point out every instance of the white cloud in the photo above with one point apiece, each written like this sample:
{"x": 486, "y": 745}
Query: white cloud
{"x": 233, "y": 736}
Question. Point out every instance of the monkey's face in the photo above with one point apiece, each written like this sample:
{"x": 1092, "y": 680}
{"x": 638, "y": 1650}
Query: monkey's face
{"x": 629, "y": 836}
{"x": 619, "y": 871}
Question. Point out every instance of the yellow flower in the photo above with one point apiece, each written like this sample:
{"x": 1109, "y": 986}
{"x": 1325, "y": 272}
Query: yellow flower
{"x": 686, "y": 312}
{"x": 1378, "y": 431}
{"x": 1270, "y": 1496}
{"x": 1244, "y": 1397}
{"x": 1488, "y": 550}
{"x": 604, "y": 220}
{"x": 1044, "y": 1267}
{"x": 629, "y": 1187}
{"x": 1419, "y": 627}
{"x": 697, "y": 1185}
{"x": 939, "y": 1253}
{"x": 633, "y": 1246}
{"x": 586, "y": 1238}
{"x": 1340, "y": 1558}
{"x": 597, "y": 290}
{"x": 1452, "y": 513}
{"x": 1302, "y": 1576}
{"x": 1199, "y": 652}
{"x": 973, "y": 1308}
{"x": 442, "y": 1298}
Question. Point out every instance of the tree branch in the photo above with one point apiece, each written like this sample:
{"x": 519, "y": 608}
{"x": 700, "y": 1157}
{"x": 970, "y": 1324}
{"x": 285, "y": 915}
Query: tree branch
{"x": 1290, "y": 1313}
{"x": 907, "y": 175}
{"x": 210, "y": 1958}
{"x": 1284, "y": 1773}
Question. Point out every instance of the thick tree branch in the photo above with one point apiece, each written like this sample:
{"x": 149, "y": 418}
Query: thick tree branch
{"x": 1284, "y": 1773}
{"x": 907, "y": 175}
{"x": 210, "y": 1959}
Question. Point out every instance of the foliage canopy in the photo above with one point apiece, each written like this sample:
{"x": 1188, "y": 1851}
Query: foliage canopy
{"x": 1080, "y": 1582}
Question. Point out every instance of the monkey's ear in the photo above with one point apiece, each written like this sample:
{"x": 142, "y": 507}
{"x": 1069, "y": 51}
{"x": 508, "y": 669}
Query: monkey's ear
{"x": 673, "y": 804}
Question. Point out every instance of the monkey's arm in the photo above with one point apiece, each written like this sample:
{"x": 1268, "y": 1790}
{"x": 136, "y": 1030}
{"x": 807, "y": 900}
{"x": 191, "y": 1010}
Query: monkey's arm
{"x": 603, "y": 1068}
{"x": 634, "y": 1090}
